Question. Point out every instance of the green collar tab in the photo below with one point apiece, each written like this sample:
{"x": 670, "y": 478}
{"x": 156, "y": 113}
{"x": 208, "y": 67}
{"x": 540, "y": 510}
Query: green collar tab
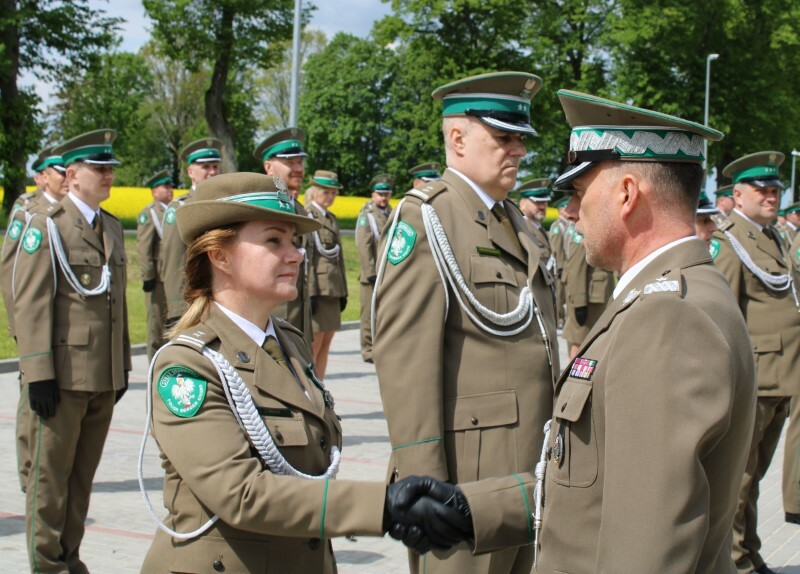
{"x": 281, "y": 147}
{"x": 205, "y": 153}
{"x": 275, "y": 200}
{"x": 454, "y": 104}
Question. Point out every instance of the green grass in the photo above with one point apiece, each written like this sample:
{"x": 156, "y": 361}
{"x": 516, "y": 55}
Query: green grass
{"x": 137, "y": 319}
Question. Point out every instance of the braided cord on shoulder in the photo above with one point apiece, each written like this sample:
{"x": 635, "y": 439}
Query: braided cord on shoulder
{"x": 331, "y": 253}
{"x": 61, "y": 256}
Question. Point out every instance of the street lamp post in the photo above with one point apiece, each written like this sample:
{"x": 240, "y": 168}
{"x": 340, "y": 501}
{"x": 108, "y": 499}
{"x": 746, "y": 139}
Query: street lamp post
{"x": 295, "y": 86}
{"x": 709, "y": 58}
{"x": 795, "y": 153}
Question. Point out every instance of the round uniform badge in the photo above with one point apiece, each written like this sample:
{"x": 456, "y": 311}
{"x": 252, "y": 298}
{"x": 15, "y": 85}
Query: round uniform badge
{"x": 142, "y": 218}
{"x": 362, "y": 221}
{"x": 169, "y": 216}
{"x": 713, "y": 247}
{"x": 86, "y": 279}
{"x": 16, "y": 230}
{"x": 182, "y": 390}
{"x": 578, "y": 238}
{"x": 32, "y": 240}
{"x": 554, "y": 230}
{"x": 402, "y": 243}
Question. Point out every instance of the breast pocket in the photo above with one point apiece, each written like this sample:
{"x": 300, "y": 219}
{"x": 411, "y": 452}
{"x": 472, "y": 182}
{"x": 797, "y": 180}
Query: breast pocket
{"x": 572, "y": 453}
{"x": 493, "y": 282}
{"x": 87, "y": 265}
{"x": 767, "y": 352}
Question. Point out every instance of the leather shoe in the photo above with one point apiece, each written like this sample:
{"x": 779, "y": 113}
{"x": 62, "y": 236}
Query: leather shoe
{"x": 765, "y": 570}
{"x": 793, "y": 517}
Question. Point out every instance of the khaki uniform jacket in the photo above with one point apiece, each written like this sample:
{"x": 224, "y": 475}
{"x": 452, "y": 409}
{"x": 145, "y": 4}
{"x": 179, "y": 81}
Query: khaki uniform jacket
{"x": 772, "y": 317}
{"x": 787, "y": 233}
{"x": 326, "y": 276}
{"x": 652, "y": 448}
{"x": 462, "y": 404}
{"x": 172, "y": 260}
{"x": 794, "y": 252}
{"x": 80, "y": 342}
{"x": 267, "y": 523}
{"x": 369, "y": 226}
{"x": 585, "y": 285}
{"x": 298, "y": 311}
{"x": 543, "y": 243}
{"x": 149, "y": 230}
{"x": 24, "y": 208}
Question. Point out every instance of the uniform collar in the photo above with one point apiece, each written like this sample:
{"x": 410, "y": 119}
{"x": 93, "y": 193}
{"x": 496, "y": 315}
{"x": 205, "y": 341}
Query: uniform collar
{"x": 162, "y": 204}
{"x": 251, "y": 330}
{"x": 791, "y": 225}
{"x": 485, "y": 198}
{"x": 321, "y": 209}
{"x": 88, "y": 213}
{"x": 631, "y": 273}
{"x": 743, "y": 216}
{"x": 49, "y": 197}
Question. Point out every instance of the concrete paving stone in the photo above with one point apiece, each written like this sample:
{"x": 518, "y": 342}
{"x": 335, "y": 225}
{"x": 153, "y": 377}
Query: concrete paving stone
{"x": 119, "y": 529}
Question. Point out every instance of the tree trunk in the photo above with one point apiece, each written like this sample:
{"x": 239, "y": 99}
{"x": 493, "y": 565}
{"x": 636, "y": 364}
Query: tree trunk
{"x": 12, "y": 106}
{"x": 216, "y": 112}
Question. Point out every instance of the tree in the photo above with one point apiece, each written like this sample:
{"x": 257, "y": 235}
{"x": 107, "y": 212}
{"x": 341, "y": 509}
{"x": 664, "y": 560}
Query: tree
{"x": 32, "y": 33}
{"x": 228, "y": 35}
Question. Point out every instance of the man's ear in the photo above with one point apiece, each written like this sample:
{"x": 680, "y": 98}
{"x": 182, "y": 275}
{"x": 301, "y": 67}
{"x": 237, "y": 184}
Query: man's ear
{"x": 630, "y": 193}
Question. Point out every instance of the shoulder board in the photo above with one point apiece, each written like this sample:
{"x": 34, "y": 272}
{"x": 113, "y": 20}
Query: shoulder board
{"x": 51, "y": 209}
{"x": 427, "y": 191}
{"x": 669, "y": 283}
{"x": 725, "y": 225}
{"x": 197, "y": 337}
{"x": 287, "y": 326}
{"x": 180, "y": 201}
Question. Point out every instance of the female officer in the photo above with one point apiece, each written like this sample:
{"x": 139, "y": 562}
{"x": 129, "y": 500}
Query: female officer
{"x": 248, "y": 437}
{"x": 327, "y": 283}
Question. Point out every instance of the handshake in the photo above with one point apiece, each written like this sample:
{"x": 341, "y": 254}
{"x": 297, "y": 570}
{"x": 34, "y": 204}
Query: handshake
{"x": 427, "y": 514}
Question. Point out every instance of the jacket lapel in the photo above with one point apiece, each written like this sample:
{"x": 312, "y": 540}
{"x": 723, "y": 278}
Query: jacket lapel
{"x": 87, "y": 233}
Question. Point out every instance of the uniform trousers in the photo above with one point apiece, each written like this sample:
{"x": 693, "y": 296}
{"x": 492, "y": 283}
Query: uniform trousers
{"x": 23, "y": 456}
{"x": 65, "y": 453}
{"x": 156, "y": 304}
{"x": 366, "y": 290}
{"x": 770, "y": 417}
{"x": 510, "y": 561}
{"x": 791, "y": 460}
{"x": 574, "y": 333}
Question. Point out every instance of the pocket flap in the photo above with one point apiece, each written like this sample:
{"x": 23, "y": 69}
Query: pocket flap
{"x": 481, "y": 411}
{"x": 287, "y": 432}
{"x": 572, "y": 398}
{"x": 770, "y": 343}
{"x": 72, "y": 335}
{"x": 85, "y": 257}
{"x": 491, "y": 270}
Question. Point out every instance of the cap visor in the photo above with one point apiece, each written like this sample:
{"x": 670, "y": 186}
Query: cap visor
{"x": 764, "y": 182}
{"x": 513, "y": 127}
{"x": 565, "y": 179}
{"x": 295, "y": 154}
{"x": 59, "y": 168}
{"x": 102, "y": 161}
{"x": 540, "y": 199}
{"x": 707, "y": 210}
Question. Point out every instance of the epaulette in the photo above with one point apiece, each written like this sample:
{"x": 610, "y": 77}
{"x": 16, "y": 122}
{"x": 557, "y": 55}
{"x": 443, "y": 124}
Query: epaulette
{"x": 669, "y": 282}
{"x": 725, "y": 225}
{"x": 427, "y": 191}
{"x": 196, "y": 337}
{"x": 51, "y": 210}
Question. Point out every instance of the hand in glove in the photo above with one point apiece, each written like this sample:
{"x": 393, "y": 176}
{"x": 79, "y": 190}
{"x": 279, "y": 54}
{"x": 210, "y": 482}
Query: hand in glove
{"x": 149, "y": 285}
{"x": 121, "y": 392}
{"x": 581, "y": 314}
{"x": 425, "y": 513}
{"x": 342, "y": 303}
{"x": 43, "y": 397}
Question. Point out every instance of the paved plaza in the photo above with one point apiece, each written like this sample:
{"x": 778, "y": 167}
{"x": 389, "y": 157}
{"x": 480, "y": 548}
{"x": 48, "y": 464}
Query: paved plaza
{"x": 119, "y": 529}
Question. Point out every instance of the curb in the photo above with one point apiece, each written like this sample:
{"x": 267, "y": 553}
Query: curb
{"x": 12, "y": 365}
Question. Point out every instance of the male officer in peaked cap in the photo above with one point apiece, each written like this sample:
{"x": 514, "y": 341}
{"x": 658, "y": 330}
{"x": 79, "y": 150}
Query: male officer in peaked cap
{"x": 75, "y": 357}
{"x": 704, "y": 222}
{"x": 149, "y": 230}
{"x": 465, "y": 335}
{"x": 792, "y": 214}
{"x": 534, "y": 197}
{"x": 370, "y": 223}
{"x": 753, "y": 259}
{"x": 51, "y": 174}
{"x": 283, "y": 156}
{"x": 202, "y": 159}
{"x": 644, "y": 449}
{"x": 558, "y": 239}
{"x": 424, "y": 173}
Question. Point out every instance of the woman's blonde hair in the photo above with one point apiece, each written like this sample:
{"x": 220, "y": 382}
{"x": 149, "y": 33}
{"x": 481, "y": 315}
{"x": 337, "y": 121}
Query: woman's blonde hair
{"x": 197, "y": 273}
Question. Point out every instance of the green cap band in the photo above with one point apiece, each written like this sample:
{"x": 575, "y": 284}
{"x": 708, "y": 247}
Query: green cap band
{"x": 756, "y": 172}
{"x": 539, "y": 191}
{"x": 162, "y": 181}
{"x": 51, "y": 160}
{"x": 205, "y": 153}
{"x": 83, "y": 152}
{"x": 281, "y": 146}
{"x": 639, "y": 142}
{"x": 326, "y": 181}
{"x": 459, "y": 103}
{"x": 382, "y": 187}
{"x": 274, "y": 200}
{"x": 427, "y": 173}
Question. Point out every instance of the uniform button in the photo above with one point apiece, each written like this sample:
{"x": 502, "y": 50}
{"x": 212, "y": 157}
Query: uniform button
{"x": 243, "y": 357}
{"x": 498, "y": 275}
{"x": 474, "y": 420}
{"x": 63, "y": 340}
{"x": 218, "y": 565}
{"x": 323, "y": 443}
{"x": 279, "y": 437}
{"x": 314, "y": 543}
{"x": 564, "y": 406}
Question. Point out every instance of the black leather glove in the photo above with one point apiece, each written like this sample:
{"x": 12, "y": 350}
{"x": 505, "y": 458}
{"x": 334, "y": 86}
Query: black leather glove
{"x": 314, "y": 304}
{"x": 581, "y": 314}
{"x": 425, "y": 513}
{"x": 43, "y": 397}
{"x": 342, "y": 303}
{"x": 372, "y": 279}
{"x": 121, "y": 392}
{"x": 149, "y": 285}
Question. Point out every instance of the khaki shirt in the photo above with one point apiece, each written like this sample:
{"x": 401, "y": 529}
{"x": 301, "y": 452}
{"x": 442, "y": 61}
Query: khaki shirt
{"x": 267, "y": 523}
{"x": 149, "y": 229}
{"x": 461, "y": 403}
{"x": 772, "y": 316}
{"x": 172, "y": 260}
{"x": 369, "y": 227}
{"x": 326, "y": 275}
{"x": 650, "y": 432}
{"x": 81, "y": 342}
